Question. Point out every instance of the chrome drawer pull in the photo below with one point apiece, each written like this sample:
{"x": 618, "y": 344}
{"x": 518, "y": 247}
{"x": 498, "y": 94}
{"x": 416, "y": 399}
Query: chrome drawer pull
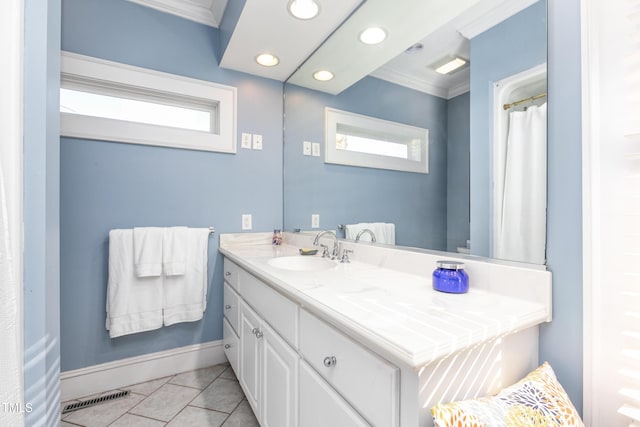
{"x": 330, "y": 361}
{"x": 259, "y": 334}
{"x": 227, "y": 307}
{"x": 227, "y": 273}
{"x": 227, "y": 346}
{"x": 255, "y": 331}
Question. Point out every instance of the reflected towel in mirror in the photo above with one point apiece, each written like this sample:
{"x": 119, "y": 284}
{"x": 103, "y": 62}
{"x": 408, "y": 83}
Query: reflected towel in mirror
{"x": 385, "y": 232}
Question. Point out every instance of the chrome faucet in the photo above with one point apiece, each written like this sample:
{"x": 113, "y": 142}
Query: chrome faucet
{"x": 366, "y": 231}
{"x": 336, "y": 250}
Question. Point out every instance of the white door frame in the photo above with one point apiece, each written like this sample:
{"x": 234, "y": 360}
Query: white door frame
{"x": 11, "y": 125}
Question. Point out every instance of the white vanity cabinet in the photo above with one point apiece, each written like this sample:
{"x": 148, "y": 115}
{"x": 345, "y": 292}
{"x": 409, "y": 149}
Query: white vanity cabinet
{"x": 371, "y": 343}
{"x": 267, "y": 367}
{"x": 296, "y": 370}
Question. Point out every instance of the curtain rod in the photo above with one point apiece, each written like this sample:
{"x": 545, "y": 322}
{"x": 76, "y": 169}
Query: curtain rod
{"x": 522, "y": 101}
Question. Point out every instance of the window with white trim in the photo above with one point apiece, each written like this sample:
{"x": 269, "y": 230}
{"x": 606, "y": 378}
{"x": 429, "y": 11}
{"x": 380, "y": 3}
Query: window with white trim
{"x": 612, "y": 212}
{"x": 110, "y": 101}
{"x": 358, "y": 140}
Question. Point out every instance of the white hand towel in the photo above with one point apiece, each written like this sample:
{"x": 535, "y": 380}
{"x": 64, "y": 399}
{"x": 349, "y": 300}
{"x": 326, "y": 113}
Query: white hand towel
{"x": 134, "y": 304}
{"x": 385, "y": 232}
{"x": 174, "y": 250}
{"x": 185, "y": 296}
{"x": 147, "y": 247}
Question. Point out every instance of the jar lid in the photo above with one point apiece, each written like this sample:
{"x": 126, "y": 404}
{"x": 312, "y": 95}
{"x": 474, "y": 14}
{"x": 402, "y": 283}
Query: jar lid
{"x": 450, "y": 265}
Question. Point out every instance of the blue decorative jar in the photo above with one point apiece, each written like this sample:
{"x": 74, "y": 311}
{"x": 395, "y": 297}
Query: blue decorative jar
{"x": 450, "y": 277}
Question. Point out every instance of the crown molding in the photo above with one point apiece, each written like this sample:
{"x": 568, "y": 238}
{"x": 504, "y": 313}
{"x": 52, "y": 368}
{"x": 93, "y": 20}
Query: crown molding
{"x": 421, "y": 85}
{"x": 411, "y": 82}
{"x": 493, "y": 17}
{"x": 208, "y": 12}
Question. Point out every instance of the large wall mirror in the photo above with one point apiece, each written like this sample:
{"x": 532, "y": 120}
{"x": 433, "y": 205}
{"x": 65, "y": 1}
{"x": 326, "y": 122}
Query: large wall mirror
{"x": 485, "y": 190}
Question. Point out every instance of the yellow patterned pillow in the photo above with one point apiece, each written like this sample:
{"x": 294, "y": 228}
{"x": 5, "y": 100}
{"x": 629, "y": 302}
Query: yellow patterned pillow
{"x": 538, "y": 400}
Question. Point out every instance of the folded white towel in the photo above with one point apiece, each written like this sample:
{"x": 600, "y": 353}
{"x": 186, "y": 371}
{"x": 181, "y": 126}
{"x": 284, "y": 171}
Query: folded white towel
{"x": 185, "y": 296}
{"x": 134, "y": 304}
{"x": 174, "y": 250}
{"x": 147, "y": 247}
{"x": 384, "y": 232}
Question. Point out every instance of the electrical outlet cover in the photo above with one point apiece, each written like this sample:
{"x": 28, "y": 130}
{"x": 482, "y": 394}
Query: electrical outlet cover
{"x": 246, "y": 141}
{"x": 315, "y": 221}
{"x": 257, "y": 142}
{"x": 246, "y": 222}
{"x": 306, "y": 148}
{"x": 315, "y": 149}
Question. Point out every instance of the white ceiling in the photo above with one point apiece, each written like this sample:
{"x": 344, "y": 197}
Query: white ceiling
{"x": 330, "y": 41}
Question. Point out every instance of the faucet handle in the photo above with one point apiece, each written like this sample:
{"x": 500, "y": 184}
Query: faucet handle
{"x": 325, "y": 251}
{"x": 345, "y": 256}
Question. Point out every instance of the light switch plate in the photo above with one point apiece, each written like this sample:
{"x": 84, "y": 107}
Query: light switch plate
{"x": 315, "y": 221}
{"x": 315, "y": 149}
{"x": 257, "y": 142}
{"x": 246, "y": 222}
{"x": 306, "y": 148}
{"x": 245, "y": 142}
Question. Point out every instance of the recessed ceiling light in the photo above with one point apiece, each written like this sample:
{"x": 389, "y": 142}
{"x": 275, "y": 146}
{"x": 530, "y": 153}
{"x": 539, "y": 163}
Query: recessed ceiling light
{"x": 323, "y": 75}
{"x": 450, "y": 65}
{"x": 267, "y": 60}
{"x": 373, "y": 35}
{"x": 304, "y": 9}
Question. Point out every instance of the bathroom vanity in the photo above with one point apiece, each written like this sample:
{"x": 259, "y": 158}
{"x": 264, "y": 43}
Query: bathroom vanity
{"x": 316, "y": 342}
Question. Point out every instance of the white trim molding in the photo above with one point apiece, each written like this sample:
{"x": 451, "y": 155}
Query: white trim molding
{"x": 98, "y": 76}
{"x": 11, "y": 168}
{"x": 501, "y": 12}
{"x": 208, "y": 12}
{"x": 133, "y": 370}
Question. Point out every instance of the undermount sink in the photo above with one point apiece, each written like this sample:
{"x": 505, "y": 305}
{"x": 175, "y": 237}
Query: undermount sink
{"x": 301, "y": 263}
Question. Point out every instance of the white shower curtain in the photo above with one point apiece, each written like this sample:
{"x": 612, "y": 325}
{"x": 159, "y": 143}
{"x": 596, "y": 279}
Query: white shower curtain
{"x": 10, "y": 373}
{"x": 522, "y": 230}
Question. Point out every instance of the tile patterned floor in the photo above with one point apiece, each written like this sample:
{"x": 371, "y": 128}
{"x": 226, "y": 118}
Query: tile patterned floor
{"x": 209, "y": 397}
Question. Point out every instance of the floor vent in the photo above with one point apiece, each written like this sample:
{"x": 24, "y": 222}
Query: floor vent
{"x": 95, "y": 401}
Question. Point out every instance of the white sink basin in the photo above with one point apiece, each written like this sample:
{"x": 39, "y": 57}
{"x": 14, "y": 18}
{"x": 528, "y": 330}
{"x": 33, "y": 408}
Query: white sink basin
{"x": 301, "y": 263}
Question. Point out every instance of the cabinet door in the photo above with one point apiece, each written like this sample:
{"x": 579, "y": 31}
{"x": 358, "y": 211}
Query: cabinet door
{"x": 250, "y": 356}
{"x": 322, "y": 406}
{"x": 279, "y": 381}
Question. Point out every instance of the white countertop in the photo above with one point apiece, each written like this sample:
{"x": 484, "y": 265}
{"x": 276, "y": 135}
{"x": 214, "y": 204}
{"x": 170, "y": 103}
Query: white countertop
{"x": 395, "y": 313}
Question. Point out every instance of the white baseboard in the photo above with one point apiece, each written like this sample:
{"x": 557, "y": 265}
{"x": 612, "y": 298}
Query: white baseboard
{"x": 120, "y": 373}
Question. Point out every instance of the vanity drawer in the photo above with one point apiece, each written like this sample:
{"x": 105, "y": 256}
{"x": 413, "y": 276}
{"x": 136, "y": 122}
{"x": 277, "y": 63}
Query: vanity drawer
{"x": 367, "y": 382}
{"x": 277, "y": 310}
{"x": 231, "y": 271}
{"x": 231, "y": 345}
{"x": 231, "y": 307}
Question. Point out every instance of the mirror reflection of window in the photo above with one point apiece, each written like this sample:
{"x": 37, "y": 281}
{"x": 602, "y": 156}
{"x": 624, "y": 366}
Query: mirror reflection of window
{"x": 367, "y": 145}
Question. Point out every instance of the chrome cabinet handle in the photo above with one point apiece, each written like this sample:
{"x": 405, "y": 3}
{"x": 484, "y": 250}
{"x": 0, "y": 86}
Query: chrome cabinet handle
{"x": 254, "y": 331}
{"x": 227, "y": 273}
{"x": 259, "y": 334}
{"x": 330, "y": 361}
{"x": 227, "y": 307}
{"x": 227, "y": 346}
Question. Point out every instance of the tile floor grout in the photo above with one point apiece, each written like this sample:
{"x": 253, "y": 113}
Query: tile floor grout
{"x": 211, "y": 398}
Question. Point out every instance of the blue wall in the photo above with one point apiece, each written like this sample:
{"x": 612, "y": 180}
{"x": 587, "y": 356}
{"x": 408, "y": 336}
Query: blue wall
{"x": 458, "y": 138}
{"x": 561, "y": 340}
{"x": 416, "y": 203}
{"x": 510, "y": 47}
{"x": 107, "y": 185}
{"x": 41, "y": 212}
